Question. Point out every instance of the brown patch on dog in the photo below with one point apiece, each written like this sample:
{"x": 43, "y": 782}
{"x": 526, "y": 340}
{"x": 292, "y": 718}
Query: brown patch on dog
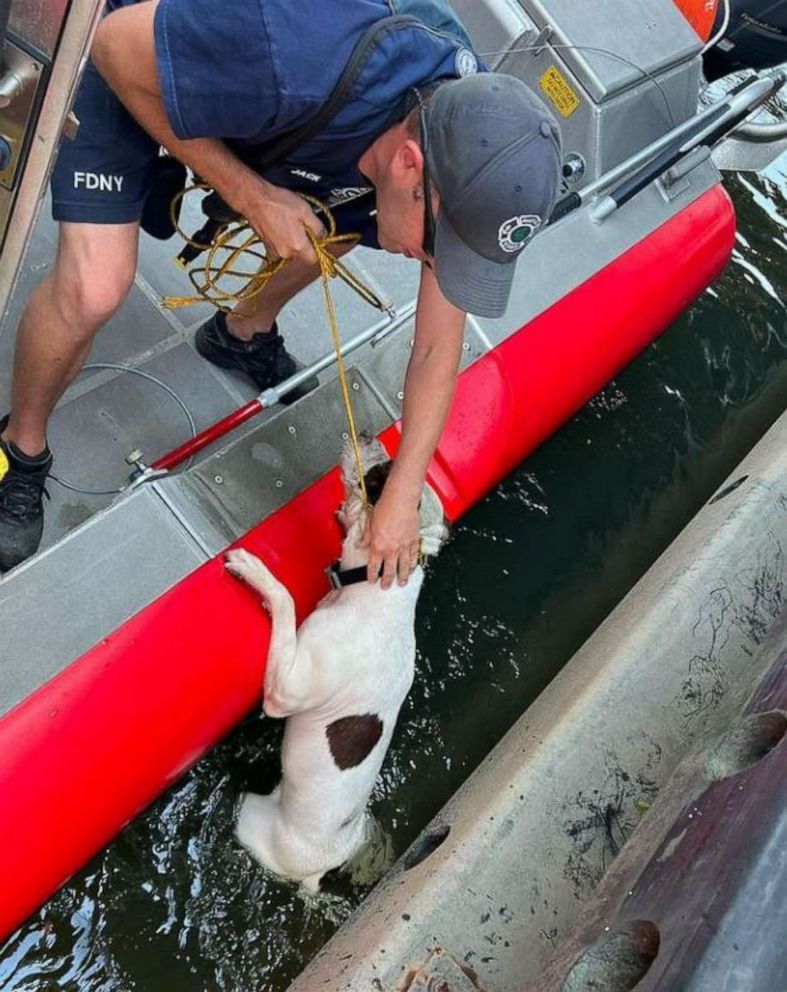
{"x": 375, "y": 479}
{"x": 352, "y": 738}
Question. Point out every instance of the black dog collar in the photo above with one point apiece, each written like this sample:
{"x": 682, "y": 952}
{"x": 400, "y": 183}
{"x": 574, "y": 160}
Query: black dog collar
{"x": 348, "y": 577}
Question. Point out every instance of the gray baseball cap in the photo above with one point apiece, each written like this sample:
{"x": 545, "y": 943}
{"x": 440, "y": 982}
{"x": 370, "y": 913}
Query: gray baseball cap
{"x": 494, "y": 156}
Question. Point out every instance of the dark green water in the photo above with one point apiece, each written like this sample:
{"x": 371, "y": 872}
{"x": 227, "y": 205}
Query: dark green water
{"x": 174, "y": 904}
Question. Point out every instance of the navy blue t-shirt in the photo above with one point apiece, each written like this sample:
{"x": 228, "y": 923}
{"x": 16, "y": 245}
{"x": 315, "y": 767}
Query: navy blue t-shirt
{"x": 251, "y": 70}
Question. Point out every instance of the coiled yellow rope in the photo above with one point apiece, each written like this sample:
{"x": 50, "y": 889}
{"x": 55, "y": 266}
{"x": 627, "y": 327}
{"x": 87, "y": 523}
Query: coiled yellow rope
{"x": 236, "y": 241}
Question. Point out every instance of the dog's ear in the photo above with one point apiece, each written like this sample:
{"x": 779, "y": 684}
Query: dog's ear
{"x": 349, "y": 472}
{"x": 432, "y": 522}
{"x": 375, "y": 480}
{"x": 433, "y": 538}
{"x": 372, "y": 454}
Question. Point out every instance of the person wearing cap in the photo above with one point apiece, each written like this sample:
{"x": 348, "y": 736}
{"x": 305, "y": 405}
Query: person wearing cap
{"x": 428, "y": 156}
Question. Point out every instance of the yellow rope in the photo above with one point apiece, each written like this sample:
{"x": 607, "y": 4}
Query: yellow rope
{"x": 205, "y": 279}
{"x": 328, "y": 270}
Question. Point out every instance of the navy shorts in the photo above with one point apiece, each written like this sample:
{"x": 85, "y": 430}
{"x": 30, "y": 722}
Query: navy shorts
{"x": 104, "y": 175}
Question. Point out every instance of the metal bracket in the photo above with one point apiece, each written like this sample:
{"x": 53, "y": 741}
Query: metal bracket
{"x": 71, "y": 126}
{"x": 141, "y": 472}
{"x": 675, "y": 181}
{"x": 541, "y": 41}
{"x": 686, "y": 165}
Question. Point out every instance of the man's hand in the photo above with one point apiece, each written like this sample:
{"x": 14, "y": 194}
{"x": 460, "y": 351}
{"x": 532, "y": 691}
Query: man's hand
{"x": 280, "y": 218}
{"x": 393, "y": 537}
{"x": 393, "y": 532}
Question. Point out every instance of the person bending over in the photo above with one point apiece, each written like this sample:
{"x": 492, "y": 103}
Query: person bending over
{"x": 428, "y": 156}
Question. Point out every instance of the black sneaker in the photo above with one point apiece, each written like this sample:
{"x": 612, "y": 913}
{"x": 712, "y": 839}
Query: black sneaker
{"x": 22, "y": 490}
{"x": 264, "y": 358}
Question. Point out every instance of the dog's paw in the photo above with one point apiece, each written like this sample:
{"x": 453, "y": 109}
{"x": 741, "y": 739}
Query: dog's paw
{"x": 240, "y": 562}
{"x": 311, "y": 885}
{"x": 251, "y": 570}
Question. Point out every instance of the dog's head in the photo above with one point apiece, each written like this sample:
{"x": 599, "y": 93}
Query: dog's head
{"x": 377, "y": 466}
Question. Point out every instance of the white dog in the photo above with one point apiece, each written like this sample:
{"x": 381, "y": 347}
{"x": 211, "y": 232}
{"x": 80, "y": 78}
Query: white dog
{"x": 341, "y": 680}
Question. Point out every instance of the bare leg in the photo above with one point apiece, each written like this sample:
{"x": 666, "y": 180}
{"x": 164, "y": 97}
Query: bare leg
{"x": 93, "y": 272}
{"x": 257, "y": 316}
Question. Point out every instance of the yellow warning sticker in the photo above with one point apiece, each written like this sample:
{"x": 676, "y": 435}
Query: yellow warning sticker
{"x": 559, "y": 91}
{"x": 4, "y": 466}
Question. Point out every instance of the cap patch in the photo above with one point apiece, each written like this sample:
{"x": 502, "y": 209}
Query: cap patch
{"x": 4, "y": 466}
{"x": 517, "y": 231}
{"x": 466, "y": 63}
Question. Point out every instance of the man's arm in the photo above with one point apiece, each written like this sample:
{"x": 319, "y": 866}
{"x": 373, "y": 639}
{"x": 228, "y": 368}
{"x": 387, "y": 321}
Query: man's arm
{"x": 393, "y": 533}
{"x": 124, "y": 52}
